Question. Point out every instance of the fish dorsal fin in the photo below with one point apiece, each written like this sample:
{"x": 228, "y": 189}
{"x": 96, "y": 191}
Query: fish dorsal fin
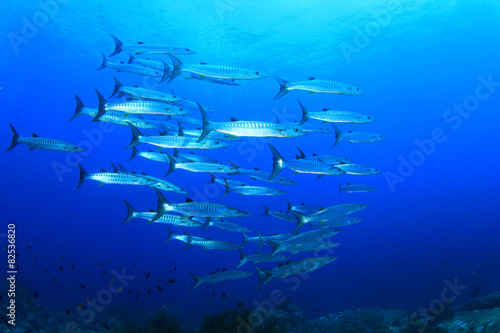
{"x": 297, "y": 157}
{"x": 143, "y": 173}
{"x": 136, "y": 86}
{"x": 192, "y": 153}
{"x": 115, "y": 168}
{"x": 325, "y": 109}
{"x": 140, "y": 116}
{"x": 181, "y": 129}
{"x": 311, "y": 78}
{"x": 151, "y": 210}
{"x": 133, "y": 172}
{"x": 256, "y": 169}
{"x": 140, "y": 43}
{"x": 234, "y": 119}
{"x": 350, "y": 131}
{"x": 103, "y": 170}
{"x": 203, "y": 63}
{"x": 122, "y": 168}
{"x": 189, "y": 200}
{"x": 35, "y": 135}
{"x": 348, "y": 183}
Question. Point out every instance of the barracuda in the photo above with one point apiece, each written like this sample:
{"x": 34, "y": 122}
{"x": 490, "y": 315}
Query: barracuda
{"x": 213, "y": 71}
{"x": 261, "y": 175}
{"x": 355, "y": 137}
{"x": 196, "y": 166}
{"x": 167, "y": 218}
{"x": 302, "y": 166}
{"x": 356, "y": 188}
{"x": 36, "y": 142}
{"x": 173, "y": 141}
{"x": 297, "y": 267}
{"x": 218, "y": 277}
{"x": 334, "y": 116}
{"x": 313, "y": 236}
{"x": 159, "y": 65}
{"x": 191, "y": 208}
{"x": 314, "y": 85}
{"x": 141, "y": 48}
{"x": 250, "y": 190}
{"x": 135, "y": 69}
{"x": 327, "y": 213}
{"x": 248, "y": 128}
{"x": 357, "y": 169}
{"x": 259, "y": 257}
{"x": 336, "y": 222}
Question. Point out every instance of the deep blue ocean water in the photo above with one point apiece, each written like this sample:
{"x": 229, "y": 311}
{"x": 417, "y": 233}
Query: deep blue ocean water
{"x": 431, "y": 221}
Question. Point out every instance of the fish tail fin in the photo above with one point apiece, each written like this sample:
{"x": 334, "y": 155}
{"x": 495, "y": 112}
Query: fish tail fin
{"x": 228, "y": 188}
{"x": 83, "y": 176}
{"x": 212, "y": 178}
{"x": 189, "y": 241}
{"x": 118, "y": 46}
{"x": 206, "y": 123}
{"x": 160, "y": 211}
{"x": 283, "y": 87}
{"x": 79, "y": 108}
{"x": 135, "y": 136}
{"x": 15, "y": 138}
{"x": 102, "y": 106}
{"x": 266, "y": 211}
{"x": 265, "y": 275}
{"x": 338, "y": 135}
{"x": 172, "y": 164}
{"x": 300, "y": 220}
{"x": 290, "y": 206}
{"x": 206, "y": 224}
{"x": 135, "y": 153}
{"x": 243, "y": 258}
{"x": 261, "y": 239}
{"x": 130, "y": 212}
{"x": 131, "y": 58}
{"x": 197, "y": 280}
{"x": 170, "y": 235}
{"x": 305, "y": 113}
{"x": 278, "y": 162}
{"x": 245, "y": 238}
{"x": 275, "y": 245}
{"x": 166, "y": 73}
{"x": 117, "y": 89}
{"x": 104, "y": 63}
{"x": 177, "y": 67}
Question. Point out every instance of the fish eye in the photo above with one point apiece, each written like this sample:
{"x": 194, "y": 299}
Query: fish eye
{"x": 187, "y": 49}
{"x": 296, "y": 130}
{"x": 369, "y": 117}
{"x": 256, "y": 72}
{"x": 217, "y": 142}
{"x": 357, "y": 89}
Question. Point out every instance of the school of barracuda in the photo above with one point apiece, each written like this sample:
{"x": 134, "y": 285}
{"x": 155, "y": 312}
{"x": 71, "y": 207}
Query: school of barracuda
{"x": 324, "y": 222}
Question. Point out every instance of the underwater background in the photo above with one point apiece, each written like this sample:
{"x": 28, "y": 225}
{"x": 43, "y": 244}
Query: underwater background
{"x": 434, "y": 219}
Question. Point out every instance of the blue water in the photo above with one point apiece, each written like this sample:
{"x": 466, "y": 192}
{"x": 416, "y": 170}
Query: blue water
{"x": 437, "y": 221}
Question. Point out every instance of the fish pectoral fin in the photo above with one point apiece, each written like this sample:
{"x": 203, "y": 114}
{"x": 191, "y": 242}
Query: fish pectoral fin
{"x": 101, "y": 184}
{"x": 32, "y": 148}
{"x": 311, "y": 92}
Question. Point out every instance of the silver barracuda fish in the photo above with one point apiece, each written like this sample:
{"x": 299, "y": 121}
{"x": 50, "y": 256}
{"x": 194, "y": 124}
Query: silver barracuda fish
{"x": 159, "y": 65}
{"x": 141, "y": 48}
{"x": 213, "y": 71}
{"x": 336, "y": 222}
{"x": 206, "y": 243}
{"x": 135, "y": 69}
{"x": 173, "y": 141}
{"x": 302, "y": 165}
{"x": 218, "y": 277}
{"x": 327, "y": 213}
{"x": 191, "y": 208}
{"x": 225, "y": 225}
{"x": 167, "y": 218}
{"x": 261, "y": 175}
{"x": 357, "y": 169}
{"x": 279, "y": 215}
{"x": 196, "y": 166}
{"x": 303, "y": 208}
{"x": 250, "y": 190}
{"x": 333, "y": 116}
{"x": 248, "y": 128}
{"x": 314, "y": 85}
{"x": 312, "y": 236}
{"x": 297, "y": 267}
{"x": 192, "y": 157}
{"x": 355, "y": 137}
{"x": 37, "y": 142}
{"x": 259, "y": 257}
{"x": 105, "y": 177}
{"x": 356, "y": 188}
